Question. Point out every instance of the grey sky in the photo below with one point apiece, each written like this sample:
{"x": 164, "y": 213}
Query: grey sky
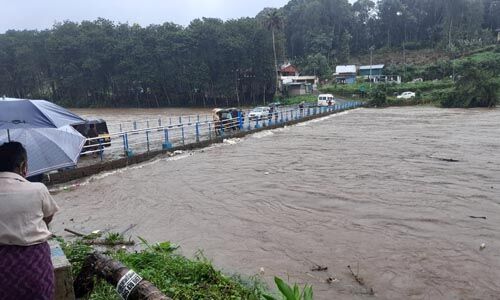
{"x": 41, "y": 14}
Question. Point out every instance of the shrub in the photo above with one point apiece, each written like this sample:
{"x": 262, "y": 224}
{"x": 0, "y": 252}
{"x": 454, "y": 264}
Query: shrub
{"x": 379, "y": 96}
{"x": 475, "y": 88}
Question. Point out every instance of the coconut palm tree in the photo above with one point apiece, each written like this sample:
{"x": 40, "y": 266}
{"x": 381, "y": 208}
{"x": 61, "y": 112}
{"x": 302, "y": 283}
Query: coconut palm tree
{"x": 274, "y": 22}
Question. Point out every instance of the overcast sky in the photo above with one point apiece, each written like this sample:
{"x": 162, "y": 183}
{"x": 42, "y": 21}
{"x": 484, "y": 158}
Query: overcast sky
{"x": 41, "y": 14}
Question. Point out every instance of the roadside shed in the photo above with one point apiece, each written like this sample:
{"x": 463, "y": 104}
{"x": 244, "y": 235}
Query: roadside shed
{"x": 345, "y": 74}
{"x": 371, "y": 70}
{"x": 298, "y": 88}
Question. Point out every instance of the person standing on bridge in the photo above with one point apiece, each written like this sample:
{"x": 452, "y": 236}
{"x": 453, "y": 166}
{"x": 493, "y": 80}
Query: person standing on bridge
{"x": 26, "y": 209}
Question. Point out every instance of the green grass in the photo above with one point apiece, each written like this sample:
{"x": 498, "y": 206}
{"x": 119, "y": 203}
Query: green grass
{"x": 391, "y": 88}
{"x": 482, "y": 57}
{"x": 298, "y": 99}
{"x": 175, "y": 275}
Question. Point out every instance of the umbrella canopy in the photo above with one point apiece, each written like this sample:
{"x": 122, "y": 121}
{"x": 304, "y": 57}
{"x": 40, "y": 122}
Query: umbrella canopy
{"x": 21, "y": 113}
{"x": 47, "y": 148}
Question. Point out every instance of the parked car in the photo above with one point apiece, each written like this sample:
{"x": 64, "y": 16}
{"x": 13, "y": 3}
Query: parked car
{"x": 258, "y": 113}
{"x": 275, "y": 104}
{"x": 406, "y": 95}
{"x": 326, "y": 100}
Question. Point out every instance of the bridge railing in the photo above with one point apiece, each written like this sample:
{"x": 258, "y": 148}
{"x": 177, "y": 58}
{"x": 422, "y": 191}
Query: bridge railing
{"x": 165, "y": 136}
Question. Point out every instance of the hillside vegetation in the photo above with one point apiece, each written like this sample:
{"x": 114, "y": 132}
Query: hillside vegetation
{"x": 212, "y": 62}
{"x": 471, "y": 80}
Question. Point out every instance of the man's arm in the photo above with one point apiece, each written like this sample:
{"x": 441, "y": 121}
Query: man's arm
{"x": 48, "y": 219}
{"x": 49, "y": 206}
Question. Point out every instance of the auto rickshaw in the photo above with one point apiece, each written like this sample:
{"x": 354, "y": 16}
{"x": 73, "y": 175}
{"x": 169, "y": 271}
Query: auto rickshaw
{"x": 226, "y": 120}
{"x": 100, "y": 126}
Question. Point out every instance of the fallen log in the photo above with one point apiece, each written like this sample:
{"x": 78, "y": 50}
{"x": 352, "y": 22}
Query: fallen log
{"x": 128, "y": 284}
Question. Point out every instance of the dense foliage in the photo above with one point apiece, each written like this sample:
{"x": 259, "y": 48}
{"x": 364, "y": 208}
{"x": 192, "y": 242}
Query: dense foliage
{"x": 100, "y": 63}
{"x": 475, "y": 88}
{"x": 216, "y": 63}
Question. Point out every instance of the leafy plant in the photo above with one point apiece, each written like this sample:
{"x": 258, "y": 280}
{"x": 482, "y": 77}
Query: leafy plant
{"x": 113, "y": 237}
{"x": 291, "y": 293}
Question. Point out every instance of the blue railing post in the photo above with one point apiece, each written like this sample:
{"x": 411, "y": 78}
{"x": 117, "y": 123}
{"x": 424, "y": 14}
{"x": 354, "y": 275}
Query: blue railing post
{"x": 264, "y": 121}
{"x": 124, "y": 142}
{"x": 198, "y": 118}
{"x": 147, "y": 138}
{"x": 170, "y": 120}
{"x": 101, "y": 151}
{"x": 281, "y": 112}
{"x": 210, "y": 131}
{"x": 182, "y": 130}
{"x": 240, "y": 120}
{"x": 135, "y": 125}
{"x": 180, "y": 119}
{"x": 147, "y": 124}
{"x": 128, "y": 152}
{"x": 197, "y": 132}
{"x": 159, "y": 122}
{"x": 189, "y": 119}
{"x": 166, "y": 143}
{"x": 257, "y": 123}
{"x": 121, "y": 130}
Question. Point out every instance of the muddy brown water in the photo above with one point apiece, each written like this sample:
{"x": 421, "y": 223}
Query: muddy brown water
{"x": 126, "y": 116}
{"x": 389, "y": 192}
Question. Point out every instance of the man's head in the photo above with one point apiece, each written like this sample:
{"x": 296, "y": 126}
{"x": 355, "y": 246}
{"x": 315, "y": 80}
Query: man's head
{"x": 13, "y": 158}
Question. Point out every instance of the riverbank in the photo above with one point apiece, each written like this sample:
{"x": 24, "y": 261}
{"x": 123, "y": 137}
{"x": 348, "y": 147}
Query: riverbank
{"x": 176, "y": 276}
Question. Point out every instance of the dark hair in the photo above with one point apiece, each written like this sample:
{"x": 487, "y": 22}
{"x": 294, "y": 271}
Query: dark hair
{"x": 12, "y": 155}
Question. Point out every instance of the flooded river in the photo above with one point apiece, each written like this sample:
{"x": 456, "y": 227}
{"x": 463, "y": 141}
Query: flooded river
{"x": 127, "y": 116}
{"x": 389, "y": 192}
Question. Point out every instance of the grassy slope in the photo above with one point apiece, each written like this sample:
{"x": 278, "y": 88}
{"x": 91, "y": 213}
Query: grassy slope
{"x": 175, "y": 275}
{"x": 430, "y": 90}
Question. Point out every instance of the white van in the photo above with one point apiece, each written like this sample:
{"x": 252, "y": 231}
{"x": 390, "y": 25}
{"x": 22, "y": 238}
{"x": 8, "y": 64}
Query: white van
{"x": 326, "y": 100}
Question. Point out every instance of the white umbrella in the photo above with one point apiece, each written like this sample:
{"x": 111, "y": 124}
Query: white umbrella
{"x": 47, "y": 148}
{"x": 22, "y": 113}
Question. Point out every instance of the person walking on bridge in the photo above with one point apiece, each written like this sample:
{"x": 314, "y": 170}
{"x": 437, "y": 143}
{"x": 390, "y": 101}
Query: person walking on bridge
{"x": 26, "y": 209}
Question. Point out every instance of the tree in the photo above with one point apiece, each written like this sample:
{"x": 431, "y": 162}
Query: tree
{"x": 274, "y": 22}
{"x": 476, "y": 87}
{"x": 316, "y": 65}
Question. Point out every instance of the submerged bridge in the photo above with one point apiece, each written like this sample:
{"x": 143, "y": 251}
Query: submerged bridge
{"x": 137, "y": 144}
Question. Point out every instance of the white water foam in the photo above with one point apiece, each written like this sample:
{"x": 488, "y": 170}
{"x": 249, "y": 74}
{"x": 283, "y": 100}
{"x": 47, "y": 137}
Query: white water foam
{"x": 177, "y": 155}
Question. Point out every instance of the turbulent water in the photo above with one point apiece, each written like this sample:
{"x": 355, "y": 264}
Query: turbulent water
{"x": 126, "y": 116}
{"x": 389, "y": 192}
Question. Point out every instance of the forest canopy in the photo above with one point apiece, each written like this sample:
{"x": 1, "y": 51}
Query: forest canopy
{"x": 215, "y": 63}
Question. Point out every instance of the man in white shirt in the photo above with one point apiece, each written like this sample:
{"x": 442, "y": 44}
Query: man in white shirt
{"x": 26, "y": 209}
